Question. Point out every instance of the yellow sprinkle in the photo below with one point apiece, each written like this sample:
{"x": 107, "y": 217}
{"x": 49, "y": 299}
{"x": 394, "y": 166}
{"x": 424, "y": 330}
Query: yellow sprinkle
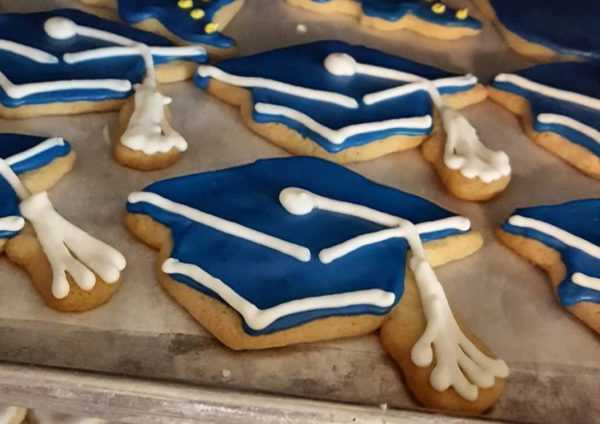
{"x": 185, "y": 4}
{"x": 462, "y": 14}
{"x": 211, "y": 27}
{"x": 438, "y": 8}
{"x": 197, "y": 14}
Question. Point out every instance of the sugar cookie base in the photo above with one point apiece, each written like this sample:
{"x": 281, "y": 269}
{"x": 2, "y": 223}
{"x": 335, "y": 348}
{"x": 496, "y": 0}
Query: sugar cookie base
{"x": 519, "y": 44}
{"x": 221, "y": 18}
{"x": 166, "y": 73}
{"x": 550, "y": 261}
{"x": 471, "y": 189}
{"x": 297, "y": 144}
{"x": 398, "y": 335}
{"x": 24, "y": 250}
{"x": 136, "y": 159}
{"x": 408, "y": 22}
{"x": 226, "y": 325}
{"x": 574, "y": 154}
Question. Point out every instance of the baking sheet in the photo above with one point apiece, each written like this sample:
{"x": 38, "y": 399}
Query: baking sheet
{"x": 504, "y": 300}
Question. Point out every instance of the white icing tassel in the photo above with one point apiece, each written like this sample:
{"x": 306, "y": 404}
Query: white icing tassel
{"x": 459, "y": 363}
{"x": 70, "y": 249}
{"x": 464, "y": 151}
{"x": 148, "y": 130}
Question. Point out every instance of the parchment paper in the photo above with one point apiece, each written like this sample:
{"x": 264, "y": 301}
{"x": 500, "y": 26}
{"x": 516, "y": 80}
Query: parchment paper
{"x": 504, "y": 300}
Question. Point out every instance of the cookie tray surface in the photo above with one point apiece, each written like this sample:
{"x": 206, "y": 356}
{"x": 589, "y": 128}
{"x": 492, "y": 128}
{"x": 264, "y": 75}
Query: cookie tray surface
{"x": 555, "y": 360}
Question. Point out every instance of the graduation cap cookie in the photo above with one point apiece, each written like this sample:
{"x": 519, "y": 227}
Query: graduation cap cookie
{"x": 351, "y": 103}
{"x": 427, "y": 17}
{"x": 69, "y": 62}
{"x": 559, "y": 107}
{"x": 293, "y": 250}
{"x": 70, "y": 269}
{"x": 547, "y": 29}
{"x": 564, "y": 240}
{"x": 182, "y": 21}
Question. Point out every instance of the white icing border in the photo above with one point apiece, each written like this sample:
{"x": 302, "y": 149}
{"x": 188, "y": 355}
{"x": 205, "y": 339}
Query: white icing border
{"x": 259, "y": 319}
{"x": 339, "y": 136}
{"x": 30, "y": 53}
{"x": 12, "y": 223}
{"x": 551, "y": 118}
{"x": 548, "y": 91}
{"x": 301, "y": 253}
{"x": 35, "y": 150}
{"x": 567, "y": 238}
{"x": 209, "y": 71}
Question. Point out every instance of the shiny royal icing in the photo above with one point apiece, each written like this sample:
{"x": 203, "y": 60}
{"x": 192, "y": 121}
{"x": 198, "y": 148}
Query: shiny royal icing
{"x": 67, "y": 247}
{"x": 566, "y": 29}
{"x": 348, "y": 96}
{"x": 55, "y": 56}
{"x": 572, "y": 229}
{"x": 190, "y": 20}
{"x": 560, "y": 103}
{"x": 283, "y": 224}
{"x": 249, "y": 197}
{"x": 435, "y": 12}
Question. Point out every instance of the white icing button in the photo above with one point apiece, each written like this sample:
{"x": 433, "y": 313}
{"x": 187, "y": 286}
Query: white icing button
{"x": 340, "y": 64}
{"x": 60, "y": 28}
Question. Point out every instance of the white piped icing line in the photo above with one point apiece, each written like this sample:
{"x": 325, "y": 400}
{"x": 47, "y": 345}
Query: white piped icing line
{"x": 459, "y": 363}
{"x": 463, "y": 151}
{"x": 548, "y": 91}
{"x": 67, "y": 247}
{"x": 298, "y": 252}
{"x": 11, "y": 224}
{"x": 30, "y": 53}
{"x": 338, "y": 136}
{"x": 18, "y": 91}
{"x": 258, "y": 319}
{"x": 148, "y": 130}
{"x": 565, "y": 121}
{"x": 208, "y": 71}
{"x": 13, "y": 180}
{"x": 567, "y": 238}
{"x": 12, "y": 414}
{"x": 106, "y": 52}
{"x": 34, "y": 151}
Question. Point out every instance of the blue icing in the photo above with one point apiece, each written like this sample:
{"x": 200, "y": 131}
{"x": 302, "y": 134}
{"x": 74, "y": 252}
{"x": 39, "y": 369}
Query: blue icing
{"x": 569, "y": 29}
{"x": 9, "y": 206}
{"x": 178, "y": 20}
{"x": 249, "y": 195}
{"x": 394, "y": 10}
{"x": 28, "y": 29}
{"x": 580, "y": 218}
{"x": 560, "y": 75}
{"x": 302, "y": 66}
{"x": 10, "y": 145}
